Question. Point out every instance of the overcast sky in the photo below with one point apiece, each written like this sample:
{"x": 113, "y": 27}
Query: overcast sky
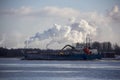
{"x": 22, "y": 19}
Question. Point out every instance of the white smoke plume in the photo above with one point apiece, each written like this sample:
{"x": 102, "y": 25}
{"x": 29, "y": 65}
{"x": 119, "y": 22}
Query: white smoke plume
{"x": 2, "y": 41}
{"x": 75, "y": 32}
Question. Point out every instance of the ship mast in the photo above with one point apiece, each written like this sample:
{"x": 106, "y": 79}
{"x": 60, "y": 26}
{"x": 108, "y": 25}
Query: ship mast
{"x": 88, "y": 41}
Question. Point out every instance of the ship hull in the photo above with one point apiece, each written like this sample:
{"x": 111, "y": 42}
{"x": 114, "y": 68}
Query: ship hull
{"x": 62, "y": 57}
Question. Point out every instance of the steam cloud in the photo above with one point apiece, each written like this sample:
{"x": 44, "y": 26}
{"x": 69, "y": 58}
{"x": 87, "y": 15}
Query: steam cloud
{"x": 74, "y": 32}
{"x": 103, "y": 26}
{"x": 3, "y": 40}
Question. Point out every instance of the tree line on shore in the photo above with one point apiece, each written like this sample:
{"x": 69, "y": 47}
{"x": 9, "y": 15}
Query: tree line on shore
{"x": 102, "y": 47}
{"x": 107, "y": 47}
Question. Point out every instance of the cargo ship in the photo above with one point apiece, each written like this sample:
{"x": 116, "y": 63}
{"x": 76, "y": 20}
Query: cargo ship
{"x": 78, "y": 52}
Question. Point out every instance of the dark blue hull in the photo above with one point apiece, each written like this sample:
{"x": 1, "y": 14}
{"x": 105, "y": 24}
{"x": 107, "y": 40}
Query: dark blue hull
{"x": 62, "y": 57}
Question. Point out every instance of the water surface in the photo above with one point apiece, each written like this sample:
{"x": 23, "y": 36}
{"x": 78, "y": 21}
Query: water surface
{"x": 16, "y": 69}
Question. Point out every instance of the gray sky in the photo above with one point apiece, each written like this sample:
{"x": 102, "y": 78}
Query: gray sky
{"x": 22, "y": 19}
